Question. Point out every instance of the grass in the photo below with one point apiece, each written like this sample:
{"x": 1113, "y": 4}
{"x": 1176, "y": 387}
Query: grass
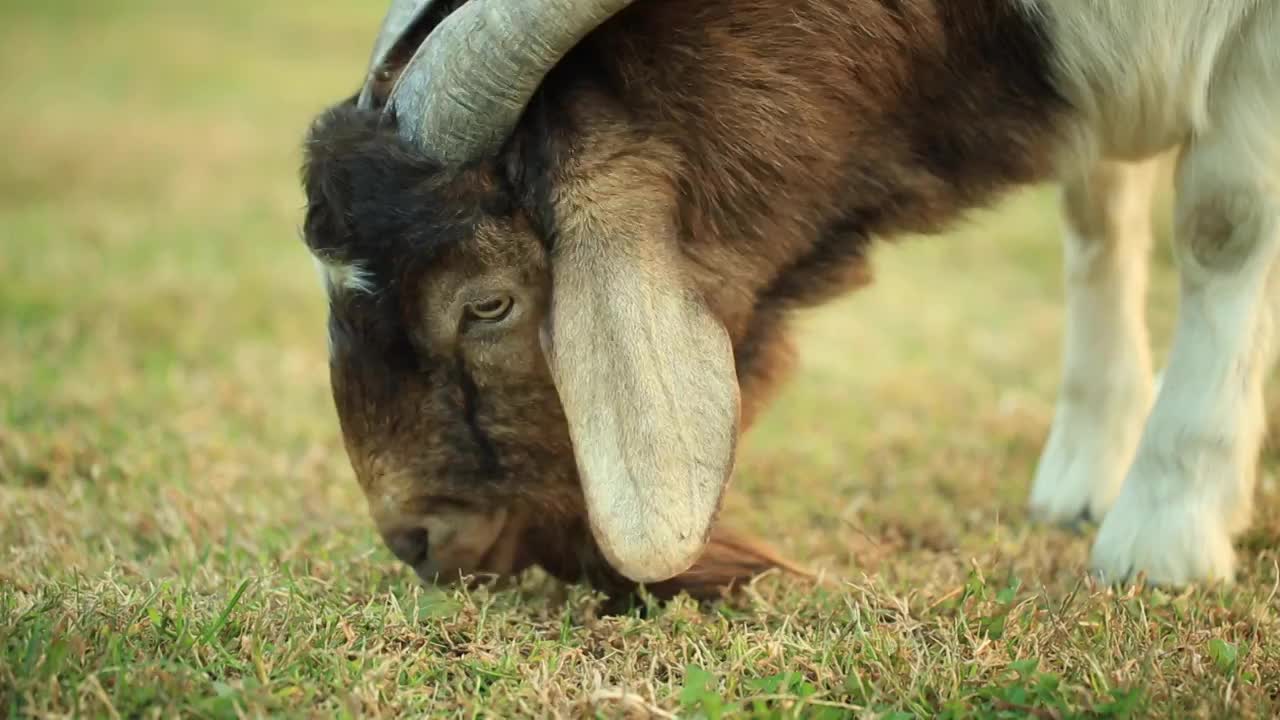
{"x": 180, "y": 533}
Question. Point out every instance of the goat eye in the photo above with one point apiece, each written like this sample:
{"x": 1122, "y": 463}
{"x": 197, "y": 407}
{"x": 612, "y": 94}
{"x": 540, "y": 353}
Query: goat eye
{"x": 490, "y": 310}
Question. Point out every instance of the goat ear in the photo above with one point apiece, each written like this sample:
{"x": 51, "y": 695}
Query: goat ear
{"x": 646, "y": 377}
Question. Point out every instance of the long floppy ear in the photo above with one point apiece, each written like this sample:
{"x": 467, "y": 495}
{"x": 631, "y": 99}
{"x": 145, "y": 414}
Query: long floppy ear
{"x": 647, "y": 379}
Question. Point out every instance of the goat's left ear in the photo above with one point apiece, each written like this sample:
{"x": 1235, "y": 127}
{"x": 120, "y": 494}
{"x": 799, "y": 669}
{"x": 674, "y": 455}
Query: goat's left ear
{"x": 646, "y": 376}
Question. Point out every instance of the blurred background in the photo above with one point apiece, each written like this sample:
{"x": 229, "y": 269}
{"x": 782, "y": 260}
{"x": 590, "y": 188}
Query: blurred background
{"x": 166, "y": 430}
{"x": 161, "y": 338}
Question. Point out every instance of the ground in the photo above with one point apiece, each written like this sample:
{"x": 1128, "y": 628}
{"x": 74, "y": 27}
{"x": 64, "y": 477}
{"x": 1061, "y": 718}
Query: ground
{"x": 180, "y": 532}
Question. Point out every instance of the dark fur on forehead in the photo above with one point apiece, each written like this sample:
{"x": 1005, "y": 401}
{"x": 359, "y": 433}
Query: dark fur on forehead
{"x": 374, "y": 198}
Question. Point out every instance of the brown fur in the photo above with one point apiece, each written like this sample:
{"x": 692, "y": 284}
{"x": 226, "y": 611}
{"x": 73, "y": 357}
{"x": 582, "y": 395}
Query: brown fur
{"x": 779, "y": 137}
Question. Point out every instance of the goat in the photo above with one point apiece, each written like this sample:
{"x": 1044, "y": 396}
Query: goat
{"x": 562, "y": 241}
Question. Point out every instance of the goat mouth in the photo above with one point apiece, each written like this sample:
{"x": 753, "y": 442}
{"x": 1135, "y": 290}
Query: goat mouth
{"x": 508, "y": 554}
{"x": 505, "y": 555}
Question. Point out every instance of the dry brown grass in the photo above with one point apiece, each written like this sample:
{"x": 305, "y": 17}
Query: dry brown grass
{"x": 180, "y": 533}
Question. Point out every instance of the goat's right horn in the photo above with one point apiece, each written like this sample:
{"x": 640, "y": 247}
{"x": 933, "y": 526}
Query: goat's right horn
{"x": 467, "y": 85}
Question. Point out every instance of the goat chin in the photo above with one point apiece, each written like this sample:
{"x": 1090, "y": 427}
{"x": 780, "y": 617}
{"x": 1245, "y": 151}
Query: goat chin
{"x": 730, "y": 562}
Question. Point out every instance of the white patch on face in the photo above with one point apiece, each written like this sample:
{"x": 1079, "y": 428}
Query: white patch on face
{"x": 339, "y": 276}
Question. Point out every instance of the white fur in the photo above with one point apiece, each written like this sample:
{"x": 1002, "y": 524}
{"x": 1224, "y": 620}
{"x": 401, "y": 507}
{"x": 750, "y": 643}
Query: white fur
{"x": 1143, "y": 74}
{"x": 1202, "y": 76}
{"x": 1106, "y": 386}
{"x": 339, "y": 277}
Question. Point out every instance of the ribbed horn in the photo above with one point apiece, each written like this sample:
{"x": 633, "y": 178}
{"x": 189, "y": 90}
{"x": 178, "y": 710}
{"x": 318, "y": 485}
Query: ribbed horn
{"x": 468, "y": 83}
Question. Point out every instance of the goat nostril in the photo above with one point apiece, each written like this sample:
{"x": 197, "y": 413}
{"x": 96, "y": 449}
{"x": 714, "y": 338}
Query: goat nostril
{"x": 410, "y": 545}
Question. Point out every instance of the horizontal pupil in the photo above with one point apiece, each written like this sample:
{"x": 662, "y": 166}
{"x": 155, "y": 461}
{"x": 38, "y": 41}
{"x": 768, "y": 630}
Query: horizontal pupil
{"x": 490, "y": 308}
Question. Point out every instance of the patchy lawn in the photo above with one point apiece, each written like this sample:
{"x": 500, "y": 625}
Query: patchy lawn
{"x": 180, "y": 532}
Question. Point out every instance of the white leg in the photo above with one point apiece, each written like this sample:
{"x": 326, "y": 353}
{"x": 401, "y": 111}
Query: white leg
{"x": 1191, "y": 484}
{"x": 1106, "y": 384}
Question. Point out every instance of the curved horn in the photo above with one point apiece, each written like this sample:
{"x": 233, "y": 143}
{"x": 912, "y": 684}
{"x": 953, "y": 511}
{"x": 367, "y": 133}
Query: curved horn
{"x": 402, "y": 16}
{"x": 467, "y": 85}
